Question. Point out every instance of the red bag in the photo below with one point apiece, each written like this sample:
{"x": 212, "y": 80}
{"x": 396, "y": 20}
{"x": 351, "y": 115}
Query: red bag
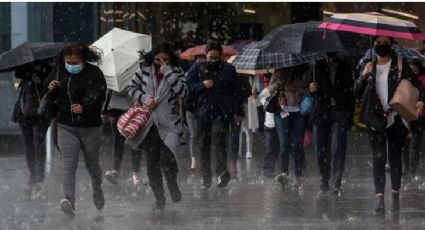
{"x": 133, "y": 120}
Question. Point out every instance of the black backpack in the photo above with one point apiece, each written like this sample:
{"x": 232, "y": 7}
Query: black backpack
{"x": 29, "y": 99}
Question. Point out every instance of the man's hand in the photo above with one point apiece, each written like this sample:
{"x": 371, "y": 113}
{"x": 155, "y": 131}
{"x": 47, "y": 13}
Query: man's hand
{"x": 77, "y": 108}
{"x": 151, "y": 103}
{"x": 208, "y": 84}
{"x": 53, "y": 85}
{"x": 313, "y": 87}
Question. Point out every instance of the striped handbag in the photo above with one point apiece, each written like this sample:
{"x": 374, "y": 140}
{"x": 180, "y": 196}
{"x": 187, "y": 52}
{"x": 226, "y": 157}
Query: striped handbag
{"x": 133, "y": 120}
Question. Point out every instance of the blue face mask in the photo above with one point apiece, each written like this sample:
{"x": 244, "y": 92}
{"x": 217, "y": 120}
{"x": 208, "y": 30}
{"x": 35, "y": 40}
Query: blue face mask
{"x": 74, "y": 69}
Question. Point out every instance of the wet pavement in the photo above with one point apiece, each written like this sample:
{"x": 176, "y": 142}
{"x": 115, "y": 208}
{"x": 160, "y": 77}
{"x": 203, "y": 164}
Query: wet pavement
{"x": 249, "y": 202}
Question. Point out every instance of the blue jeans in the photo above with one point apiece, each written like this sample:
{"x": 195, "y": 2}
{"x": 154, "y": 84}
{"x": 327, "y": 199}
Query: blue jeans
{"x": 290, "y": 131}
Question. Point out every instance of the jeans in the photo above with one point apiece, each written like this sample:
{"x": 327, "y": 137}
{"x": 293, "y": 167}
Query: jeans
{"x": 159, "y": 156}
{"x": 136, "y": 155}
{"x": 271, "y": 148}
{"x": 214, "y": 133}
{"x": 412, "y": 147}
{"x": 330, "y": 142}
{"x": 290, "y": 131}
{"x": 71, "y": 141}
{"x": 34, "y": 133}
{"x": 395, "y": 135}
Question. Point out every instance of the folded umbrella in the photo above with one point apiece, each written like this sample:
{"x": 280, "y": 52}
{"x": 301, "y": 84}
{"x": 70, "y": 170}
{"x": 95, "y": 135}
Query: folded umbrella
{"x": 29, "y": 52}
{"x": 121, "y": 56}
{"x": 375, "y": 24}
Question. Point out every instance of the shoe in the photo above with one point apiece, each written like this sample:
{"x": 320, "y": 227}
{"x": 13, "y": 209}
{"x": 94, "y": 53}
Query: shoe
{"x": 223, "y": 179}
{"x": 282, "y": 179}
{"x": 175, "y": 193}
{"x": 112, "y": 176}
{"x": 159, "y": 206}
{"x": 337, "y": 192}
{"x": 380, "y": 206}
{"x": 248, "y": 155}
{"x": 98, "y": 198}
{"x": 206, "y": 183}
{"x": 395, "y": 206}
{"x": 67, "y": 207}
{"x": 136, "y": 179}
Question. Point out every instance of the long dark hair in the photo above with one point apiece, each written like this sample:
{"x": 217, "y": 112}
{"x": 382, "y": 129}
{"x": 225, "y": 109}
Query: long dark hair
{"x": 86, "y": 53}
{"x": 416, "y": 62}
{"x": 147, "y": 58}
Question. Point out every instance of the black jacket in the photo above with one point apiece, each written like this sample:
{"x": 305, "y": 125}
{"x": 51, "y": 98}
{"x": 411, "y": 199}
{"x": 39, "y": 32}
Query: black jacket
{"x": 224, "y": 100}
{"x": 342, "y": 91}
{"x": 87, "y": 88}
{"x": 361, "y": 83}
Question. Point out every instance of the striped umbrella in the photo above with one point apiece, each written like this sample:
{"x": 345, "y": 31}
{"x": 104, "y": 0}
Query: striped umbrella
{"x": 373, "y": 23}
{"x": 254, "y": 59}
{"x": 190, "y": 53}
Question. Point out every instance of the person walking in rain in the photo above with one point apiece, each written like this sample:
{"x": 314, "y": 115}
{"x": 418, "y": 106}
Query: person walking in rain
{"x": 79, "y": 88}
{"x": 116, "y": 104}
{"x": 218, "y": 92}
{"x": 290, "y": 124}
{"x": 413, "y": 142}
{"x": 33, "y": 126}
{"x": 379, "y": 79}
{"x": 158, "y": 84}
{"x": 331, "y": 117}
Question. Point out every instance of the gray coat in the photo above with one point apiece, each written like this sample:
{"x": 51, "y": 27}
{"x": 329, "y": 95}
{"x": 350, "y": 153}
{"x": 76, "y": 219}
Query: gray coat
{"x": 166, "y": 115}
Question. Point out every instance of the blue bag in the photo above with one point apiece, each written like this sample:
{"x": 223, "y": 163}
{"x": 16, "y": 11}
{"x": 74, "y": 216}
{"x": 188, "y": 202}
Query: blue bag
{"x": 306, "y": 105}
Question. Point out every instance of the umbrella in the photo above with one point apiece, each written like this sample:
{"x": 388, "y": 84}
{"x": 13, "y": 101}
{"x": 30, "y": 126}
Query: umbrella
{"x": 307, "y": 37}
{"x": 406, "y": 52}
{"x": 375, "y": 24}
{"x": 29, "y": 52}
{"x": 253, "y": 58}
{"x": 190, "y": 53}
{"x": 121, "y": 55}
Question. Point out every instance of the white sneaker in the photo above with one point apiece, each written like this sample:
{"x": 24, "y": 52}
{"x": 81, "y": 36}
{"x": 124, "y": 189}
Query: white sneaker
{"x": 248, "y": 155}
{"x": 112, "y": 176}
{"x": 136, "y": 179}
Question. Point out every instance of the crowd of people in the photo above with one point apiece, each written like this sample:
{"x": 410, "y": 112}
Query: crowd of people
{"x": 211, "y": 105}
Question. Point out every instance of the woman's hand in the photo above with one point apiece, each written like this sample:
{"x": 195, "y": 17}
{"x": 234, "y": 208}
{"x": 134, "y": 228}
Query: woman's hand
{"x": 313, "y": 87}
{"x": 367, "y": 70}
{"x": 53, "y": 85}
{"x": 420, "y": 107}
{"x": 151, "y": 103}
{"x": 77, "y": 108}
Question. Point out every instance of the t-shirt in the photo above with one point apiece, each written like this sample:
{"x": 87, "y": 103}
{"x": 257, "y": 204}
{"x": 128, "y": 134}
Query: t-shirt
{"x": 382, "y": 83}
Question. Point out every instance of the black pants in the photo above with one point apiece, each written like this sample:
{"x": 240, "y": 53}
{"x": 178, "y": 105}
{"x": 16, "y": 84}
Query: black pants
{"x": 395, "y": 135}
{"x": 136, "y": 155}
{"x": 413, "y": 147}
{"x": 214, "y": 133}
{"x": 271, "y": 144}
{"x": 159, "y": 156}
{"x": 34, "y": 133}
{"x": 330, "y": 135}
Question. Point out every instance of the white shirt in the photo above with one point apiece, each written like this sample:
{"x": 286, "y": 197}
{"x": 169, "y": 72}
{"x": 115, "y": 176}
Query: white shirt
{"x": 382, "y": 84}
{"x": 269, "y": 119}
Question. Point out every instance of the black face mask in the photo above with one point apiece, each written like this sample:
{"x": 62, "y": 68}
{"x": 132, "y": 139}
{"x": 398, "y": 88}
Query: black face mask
{"x": 382, "y": 49}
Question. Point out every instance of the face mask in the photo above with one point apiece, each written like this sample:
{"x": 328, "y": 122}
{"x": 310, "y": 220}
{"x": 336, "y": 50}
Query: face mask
{"x": 382, "y": 49}
{"x": 156, "y": 66}
{"x": 74, "y": 69}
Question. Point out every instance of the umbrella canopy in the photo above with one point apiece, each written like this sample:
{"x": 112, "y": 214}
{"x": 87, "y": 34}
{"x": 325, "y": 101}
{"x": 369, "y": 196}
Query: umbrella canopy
{"x": 307, "y": 37}
{"x": 253, "y": 58}
{"x": 190, "y": 53}
{"x": 29, "y": 52}
{"x": 375, "y": 24}
{"x": 406, "y": 52}
{"x": 121, "y": 56}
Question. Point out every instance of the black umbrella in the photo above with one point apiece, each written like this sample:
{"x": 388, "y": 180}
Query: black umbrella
{"x": 29, "y": 52}
{"x": 306, "y": 37}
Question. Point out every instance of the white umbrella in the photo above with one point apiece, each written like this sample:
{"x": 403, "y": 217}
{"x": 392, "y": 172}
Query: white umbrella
{"x": 121, "y": 57}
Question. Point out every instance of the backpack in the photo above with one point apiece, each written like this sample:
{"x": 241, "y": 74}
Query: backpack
{"x": 29, "y": 99}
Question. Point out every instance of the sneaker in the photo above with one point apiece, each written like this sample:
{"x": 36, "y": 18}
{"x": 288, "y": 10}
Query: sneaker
{"x": 223, "y": 179}
{"x": 206, "y": 183}
{"x": 176, "y": 195}
{"x": 380, "y": 206}
{"x": 159, "y": 206}
{"x": 112, "y": 176}
{"x": 67, "y": 207}
{"x": 248, "y": 155}
{"x": 337, "y": 192}
{"x": 395, "y": 206}
{"x": 282, "y": 179}
{"x": 98, "y": 199}
{"x": 136, "y": 179}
